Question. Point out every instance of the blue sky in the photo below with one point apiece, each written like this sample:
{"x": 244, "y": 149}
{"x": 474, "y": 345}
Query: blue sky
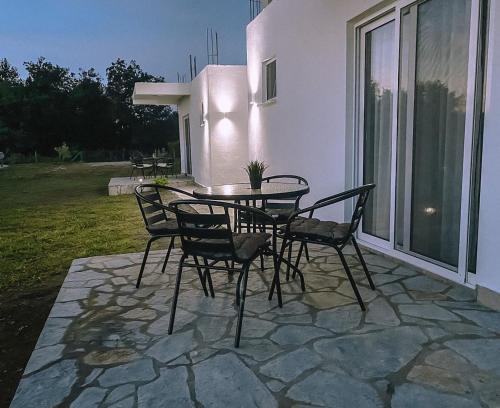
{"x": 158, "y": 34}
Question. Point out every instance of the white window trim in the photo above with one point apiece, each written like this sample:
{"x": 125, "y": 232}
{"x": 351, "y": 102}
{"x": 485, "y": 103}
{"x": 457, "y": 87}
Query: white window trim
{"x": 264, "y": 100}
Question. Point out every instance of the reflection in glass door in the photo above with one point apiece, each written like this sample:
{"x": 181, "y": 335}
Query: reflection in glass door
{"x": 432, "y": 123}
{"x": 377, "y": 73}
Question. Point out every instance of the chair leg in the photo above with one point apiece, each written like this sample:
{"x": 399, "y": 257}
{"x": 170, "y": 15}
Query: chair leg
{"x": 144, "y": 259}
{"x": 365, "y": 268}
{"x": 171, "y": 245}
{"x": 208, "y": 276}
{"x": 242, "y": 306}
{"x": 297, "y": 261}
{"x": 200, "y": 275}
{"x": 132, "y": 172}
{"x": 238, "y": 286}
{"x": 307, "y": 252}
{"x": 289, "y": 260}
{"x": 262, "y": 262}
{"x": 277, "y": 268}
{"x": 176, "y": 295}
{"x": 276, "y": 280}
{"x": 351, "y": 279}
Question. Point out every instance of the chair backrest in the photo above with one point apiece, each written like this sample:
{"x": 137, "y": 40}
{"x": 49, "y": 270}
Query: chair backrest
{"x": 136, "y": 161}
{"x": 151, "y": 205}
{"x": 287, "y": 178}
{"x": 206, "y": 235}
{"x": 283, "y": 177}
{"x": 167, "y": 161}
{"x": 362, "y": 193}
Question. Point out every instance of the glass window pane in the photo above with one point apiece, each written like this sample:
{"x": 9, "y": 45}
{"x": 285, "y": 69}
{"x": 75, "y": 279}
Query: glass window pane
{"x": 378, "y": 77}
{"x": 439, "y": 124}
{"x": 271, "y": 80}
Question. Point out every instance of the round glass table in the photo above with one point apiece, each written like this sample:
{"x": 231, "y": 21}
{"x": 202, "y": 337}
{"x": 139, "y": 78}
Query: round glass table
{"x": 243, "y": 192}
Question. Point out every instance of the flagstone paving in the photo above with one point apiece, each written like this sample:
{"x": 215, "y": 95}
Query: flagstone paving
{"x": 422, "y": 342}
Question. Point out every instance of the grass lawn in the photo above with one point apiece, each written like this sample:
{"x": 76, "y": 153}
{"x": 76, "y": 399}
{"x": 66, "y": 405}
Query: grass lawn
{"x": 51, "y": 214}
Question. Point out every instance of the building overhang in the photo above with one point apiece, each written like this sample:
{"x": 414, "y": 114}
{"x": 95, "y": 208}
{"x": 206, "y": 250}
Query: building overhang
{"x": 149, "y": 93}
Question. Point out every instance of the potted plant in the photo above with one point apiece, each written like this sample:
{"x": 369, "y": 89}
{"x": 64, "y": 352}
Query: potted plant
{"x": 255, "y": 169}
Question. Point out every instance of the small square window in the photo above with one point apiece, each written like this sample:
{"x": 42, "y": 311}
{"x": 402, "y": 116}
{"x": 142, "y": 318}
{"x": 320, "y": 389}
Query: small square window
{"x": 270, "y": 88}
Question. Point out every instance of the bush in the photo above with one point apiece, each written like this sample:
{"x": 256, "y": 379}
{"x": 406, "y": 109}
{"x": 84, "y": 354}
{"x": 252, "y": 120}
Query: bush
{"x": 63, "y": 152}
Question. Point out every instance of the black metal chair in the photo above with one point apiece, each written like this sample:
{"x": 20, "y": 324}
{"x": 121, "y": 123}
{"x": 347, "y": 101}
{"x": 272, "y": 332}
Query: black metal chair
{"x": 160, "y": 222}
{"x": 336, "y": 235}
{"x": 165, "y": 165}
{"x": 142, "y": 165}
{"x": 281, "y": 210}
{"x": 210, "y": 237}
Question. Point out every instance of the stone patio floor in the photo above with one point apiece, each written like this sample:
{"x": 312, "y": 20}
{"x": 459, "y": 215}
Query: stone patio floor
{"x": 422, "y": 342}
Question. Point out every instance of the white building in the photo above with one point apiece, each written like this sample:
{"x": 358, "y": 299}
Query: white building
{"x": 403, "y": 93}
{"x": 213, "y": 121}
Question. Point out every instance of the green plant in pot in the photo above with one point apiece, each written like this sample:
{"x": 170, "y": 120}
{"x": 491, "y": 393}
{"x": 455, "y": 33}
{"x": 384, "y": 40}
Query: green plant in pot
{"x": 255, "y": 169}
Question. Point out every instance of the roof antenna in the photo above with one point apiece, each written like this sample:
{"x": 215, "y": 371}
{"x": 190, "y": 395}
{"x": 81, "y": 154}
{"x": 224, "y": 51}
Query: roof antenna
{"x": 212, "y": 47}
{"x": 191, "y": 65}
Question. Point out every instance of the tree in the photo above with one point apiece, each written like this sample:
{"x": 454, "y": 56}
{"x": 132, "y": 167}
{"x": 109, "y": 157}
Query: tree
{"x": 143, "y": 126}
{"x": 47, "y": 111}
{"x": 11, "y": 106}
{"x": 91, "y": 113}
{"x": 53, "y": 105}
{"x": 8, "y": 73}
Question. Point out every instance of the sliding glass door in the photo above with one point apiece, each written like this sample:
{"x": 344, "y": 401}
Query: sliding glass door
{"x": 435, "y": 36}
{"x": 416, "y": 126}
{"x": 377, "y": 73}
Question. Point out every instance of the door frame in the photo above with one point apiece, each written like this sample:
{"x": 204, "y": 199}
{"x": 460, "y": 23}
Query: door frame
{"x": 362, "y": 29}
{"x": 187, "y": 144}
{"x": 386, "y": 14}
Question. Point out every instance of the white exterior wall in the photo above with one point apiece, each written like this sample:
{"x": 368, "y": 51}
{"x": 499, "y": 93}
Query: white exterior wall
{"x": 488, "y": 267}
{"x": 304, "y": 132}
{"x": 309, "y": 129}
{"x": 228, "y": 123}
{"x": 219, "y": 148}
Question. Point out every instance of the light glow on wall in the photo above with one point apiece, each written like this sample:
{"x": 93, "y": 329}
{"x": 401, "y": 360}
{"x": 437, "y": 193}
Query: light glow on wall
{"x": 225, "y": 127}
{"x": 254, "y": 73}
{"x": 254, "y": 132}
{"x": 225, "y": 101}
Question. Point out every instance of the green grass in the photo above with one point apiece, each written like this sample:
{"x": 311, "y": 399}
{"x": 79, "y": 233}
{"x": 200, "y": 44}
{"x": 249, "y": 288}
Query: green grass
{"x": 51, "y": 214}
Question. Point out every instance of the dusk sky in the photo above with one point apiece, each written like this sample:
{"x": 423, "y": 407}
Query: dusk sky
{"x": 158, "y": 34}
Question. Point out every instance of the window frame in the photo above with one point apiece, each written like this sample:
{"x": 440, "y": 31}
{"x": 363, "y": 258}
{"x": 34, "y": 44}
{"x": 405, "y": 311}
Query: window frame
{"x": 265, "y": 88}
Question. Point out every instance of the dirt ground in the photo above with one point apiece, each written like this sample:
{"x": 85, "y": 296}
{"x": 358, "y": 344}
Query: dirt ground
{"x": 22, "y": 316}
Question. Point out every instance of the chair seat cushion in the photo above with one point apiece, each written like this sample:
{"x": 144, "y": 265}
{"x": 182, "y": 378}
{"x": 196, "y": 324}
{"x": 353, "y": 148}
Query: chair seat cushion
{"x": 281, "y": 215}
{"x": 279, "y": 211}
{"x": 246, "y": 245}
{"x": 164, "y": 228}
{"x": 317, "y": 230}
